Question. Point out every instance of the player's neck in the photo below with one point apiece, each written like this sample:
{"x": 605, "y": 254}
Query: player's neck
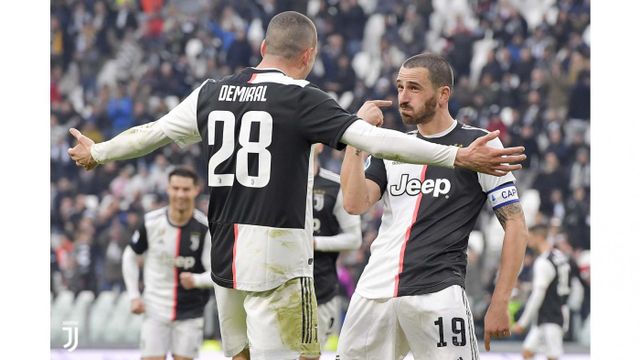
{"x": 180, "y": 217}
{"x": 273, "y": 62}
{"x": 439, "y": 123}
{"x": 544, "y": 247}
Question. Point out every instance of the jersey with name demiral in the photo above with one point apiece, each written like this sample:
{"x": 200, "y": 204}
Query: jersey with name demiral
{"x": 168, "y": 251}
{"x": 552, "y": 268}
{"x": 326, "y": 187}
{"x": 257, "y": 128}
{"x": 428, "y": 215}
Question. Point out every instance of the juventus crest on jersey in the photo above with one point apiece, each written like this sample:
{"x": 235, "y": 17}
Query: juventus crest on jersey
{"x": 429, "y": 213}
{"x": 257, "y": 128}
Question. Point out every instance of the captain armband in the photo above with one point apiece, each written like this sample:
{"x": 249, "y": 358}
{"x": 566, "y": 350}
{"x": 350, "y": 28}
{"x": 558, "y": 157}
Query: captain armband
{"x": 504, "y": 194}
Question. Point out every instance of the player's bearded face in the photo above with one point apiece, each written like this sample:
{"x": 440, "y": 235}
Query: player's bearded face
{"x": 419, "y": 114}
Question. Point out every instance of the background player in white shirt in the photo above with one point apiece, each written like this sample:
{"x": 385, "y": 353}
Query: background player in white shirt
{"x": 257, "y": 127}
{"x": 546, "y": 310}
{"x": 334, "y": 230}
{"x": 411, "y": 293}
{"x": 175, "y": 245}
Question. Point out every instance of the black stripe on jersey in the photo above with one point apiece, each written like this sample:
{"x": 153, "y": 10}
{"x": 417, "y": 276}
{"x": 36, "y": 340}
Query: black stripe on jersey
{"x": 472, "y": 334}
{"x": 191, "y": 302}
{"x": 222, "y": 242}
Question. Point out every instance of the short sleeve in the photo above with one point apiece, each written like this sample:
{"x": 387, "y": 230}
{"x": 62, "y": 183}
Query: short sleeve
{"x": 181, "y": 123}
{"x": 376, "y": 172}
{"x": 490, "y": 183}
{"x": 321, "y": 119}
{"x": 139, "y": 242}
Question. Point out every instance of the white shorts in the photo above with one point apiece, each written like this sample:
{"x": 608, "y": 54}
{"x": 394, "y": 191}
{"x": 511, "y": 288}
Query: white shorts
{"x": 328, "y": 319}
{"x": 278, "y": 324}
{"x": 432, "y": 326}
{"x": 179, "y": 337}
{"x": 545, "y": 339}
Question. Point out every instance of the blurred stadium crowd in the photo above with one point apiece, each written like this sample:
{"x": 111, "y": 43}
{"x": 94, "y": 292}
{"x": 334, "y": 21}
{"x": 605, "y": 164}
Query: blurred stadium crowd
{"x": 521, "y": 66}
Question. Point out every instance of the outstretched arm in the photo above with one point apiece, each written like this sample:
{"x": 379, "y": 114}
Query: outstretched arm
{"x": 394, "y": 145}
{"x": 179, "y": 125}
{"x": 496, "y": 321}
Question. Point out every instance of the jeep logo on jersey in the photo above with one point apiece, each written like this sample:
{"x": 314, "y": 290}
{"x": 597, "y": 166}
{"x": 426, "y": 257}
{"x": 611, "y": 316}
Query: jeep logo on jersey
{"x": 185, "y": 262}
{"x": 413, "y": 187}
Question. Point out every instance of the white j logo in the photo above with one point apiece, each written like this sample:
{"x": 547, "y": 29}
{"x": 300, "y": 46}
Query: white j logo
{"x": 72, "y": 338}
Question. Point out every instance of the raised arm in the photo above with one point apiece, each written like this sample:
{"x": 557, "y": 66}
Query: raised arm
{"x": 358, "y": 193}
{"x": 511, "y": 217}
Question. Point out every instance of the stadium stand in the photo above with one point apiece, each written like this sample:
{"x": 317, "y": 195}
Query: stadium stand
{"x": 521, "y": 66}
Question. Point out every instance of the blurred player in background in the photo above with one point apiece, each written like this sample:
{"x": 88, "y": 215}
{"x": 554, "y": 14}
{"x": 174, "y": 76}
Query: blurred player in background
{"x": 257, "y": 128}
{"x": 174, "y": 244}
{"x": 334, "y": 230}
{"x": 411, "y": 294}
{"x": 546, "y": 308}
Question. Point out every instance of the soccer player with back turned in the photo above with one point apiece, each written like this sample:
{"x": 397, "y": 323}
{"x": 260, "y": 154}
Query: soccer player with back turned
{"x": 257, "y": 128}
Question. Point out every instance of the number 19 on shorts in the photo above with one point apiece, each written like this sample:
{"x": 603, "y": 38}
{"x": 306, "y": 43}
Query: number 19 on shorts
{"x": 258, "y": 147}
{"x": 458, "y": 338}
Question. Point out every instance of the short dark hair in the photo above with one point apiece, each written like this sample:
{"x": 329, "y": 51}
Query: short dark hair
{"x": 539, "y": 229}
{"x": 289, "y": 33}
{"x": 184, "y": 172}
{"x": 440, "y": 71}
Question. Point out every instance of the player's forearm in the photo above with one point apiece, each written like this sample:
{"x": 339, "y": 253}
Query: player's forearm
{"x": 203, "y": 280}
{"x": 350, "y": 239}
{"x": 532, "y": 307}
{"x": 130, "y": 273}
{"x": 513, "y": 249}
{"x": 355, "y": 196}
{"x": 394, "y": 145}
{"x": 131, "y": 143}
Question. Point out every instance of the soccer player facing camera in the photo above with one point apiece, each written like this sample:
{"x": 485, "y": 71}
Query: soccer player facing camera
{"x": 411, "y": 294}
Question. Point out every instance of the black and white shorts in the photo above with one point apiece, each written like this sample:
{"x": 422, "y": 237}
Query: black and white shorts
{"x": 432, "y": 326}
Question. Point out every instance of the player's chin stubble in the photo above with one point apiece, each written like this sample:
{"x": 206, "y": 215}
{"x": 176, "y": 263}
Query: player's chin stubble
{"x": 420, "y": 118}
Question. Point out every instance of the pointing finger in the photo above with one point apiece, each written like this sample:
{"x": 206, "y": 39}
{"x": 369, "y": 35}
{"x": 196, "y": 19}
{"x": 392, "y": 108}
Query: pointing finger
{"x": 382, "y": 103}
{"x": 487, "y": 341}
{"x": 76, "y": 133}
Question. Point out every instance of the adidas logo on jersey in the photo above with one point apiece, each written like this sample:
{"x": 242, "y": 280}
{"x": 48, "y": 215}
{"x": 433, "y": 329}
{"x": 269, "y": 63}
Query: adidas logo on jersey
{"x": 413, "y": 187}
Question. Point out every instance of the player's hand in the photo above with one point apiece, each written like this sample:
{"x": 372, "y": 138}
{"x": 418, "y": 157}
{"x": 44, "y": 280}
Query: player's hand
{"x": 480, "y": 157}
{"x": 137, "y": 306}
{"x": 81, "y": 153}
{"x": 371, "y": 113}
{"x": 496, "y": 324}
{"x": 517, "y": 329}
{"x": 187, "y": 281}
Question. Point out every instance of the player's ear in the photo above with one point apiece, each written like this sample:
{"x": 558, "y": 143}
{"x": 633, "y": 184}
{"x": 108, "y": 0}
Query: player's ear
{"x": 443, "y": 94}
{"x": 263, "y": 48}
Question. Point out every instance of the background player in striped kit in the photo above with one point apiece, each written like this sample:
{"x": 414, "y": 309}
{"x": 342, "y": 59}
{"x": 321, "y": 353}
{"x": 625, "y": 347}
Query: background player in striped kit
{"x": 411, "y": 293}
{"x": 257, "y": 128}
{"x": 334, "y": 230}
{"x": 546, "y": 310}
{"x": 175, "y": 245}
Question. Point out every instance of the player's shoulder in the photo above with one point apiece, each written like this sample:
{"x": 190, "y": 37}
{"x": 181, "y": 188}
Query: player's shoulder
{"x": 329, "y": 175}
{"x": 200, "y": 217}
{"x": 155, "y": 215}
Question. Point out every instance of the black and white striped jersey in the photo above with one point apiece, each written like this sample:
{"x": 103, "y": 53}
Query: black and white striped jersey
{"x": 329, "y": 218}
{"x": 168, "y": 251}
{"x": 428, "y": 215}
{"x": 553, "y": 269}
{"x": 257, "y": 128}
